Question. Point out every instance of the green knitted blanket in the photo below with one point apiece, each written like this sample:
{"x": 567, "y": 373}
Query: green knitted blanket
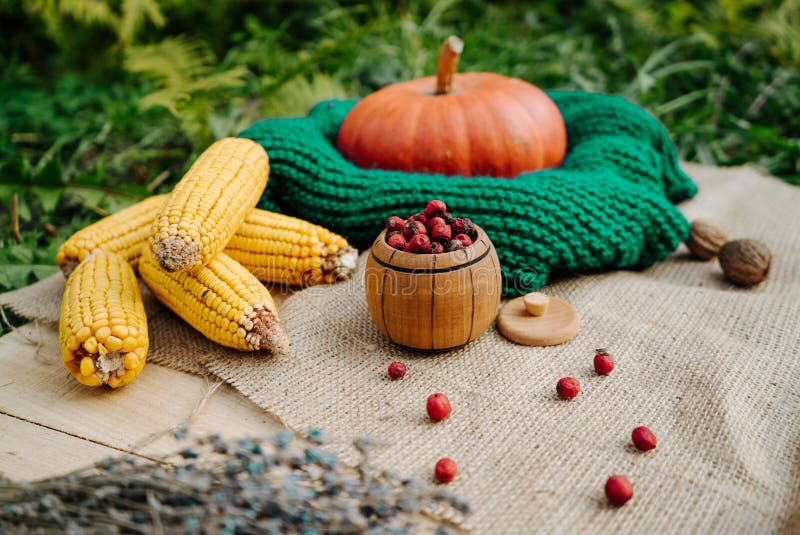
{"x": 609, "y": 206}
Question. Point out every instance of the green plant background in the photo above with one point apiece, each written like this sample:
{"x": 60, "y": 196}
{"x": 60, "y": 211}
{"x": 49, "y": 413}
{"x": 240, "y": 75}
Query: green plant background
{"x": 106, "y": 101}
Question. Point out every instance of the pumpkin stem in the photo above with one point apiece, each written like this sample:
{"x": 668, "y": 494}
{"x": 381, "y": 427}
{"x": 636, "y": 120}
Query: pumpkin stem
{"x": 448, "y": 63}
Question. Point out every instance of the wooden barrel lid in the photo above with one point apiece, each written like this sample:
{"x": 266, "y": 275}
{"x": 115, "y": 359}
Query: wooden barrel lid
{"x": 559, "y": 324}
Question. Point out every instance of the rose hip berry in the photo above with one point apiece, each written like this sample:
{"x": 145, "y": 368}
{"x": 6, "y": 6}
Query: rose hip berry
{"x": 395, "y": 223}
{"x": 618, "y": 490}
{"x": 465, "y": 240}
{"x": 412, "y": 228}
{"x": 438, "y": 407}
{"x": 396, "y": 241}
{"x": 643, "y": 438}
{"x": 419, "y": 216}
{"x": 419, "y": 243}
{"x": 568, "y": 387}
{"x": 435, "y": 208}
{"x": 441, "y": 233}
{"x": 446, "y": 470}
{"x": 603, "y": 362}
{"x": 434, "y": 222}
{"x": 397, "y": 370}
{"x": 453, "y": 245}
{"x": 462, "y": 225}
{"x": 437, "y": 224}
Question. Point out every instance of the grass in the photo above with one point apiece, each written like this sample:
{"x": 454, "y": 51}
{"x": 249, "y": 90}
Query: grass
{"x": 107, "y": 101}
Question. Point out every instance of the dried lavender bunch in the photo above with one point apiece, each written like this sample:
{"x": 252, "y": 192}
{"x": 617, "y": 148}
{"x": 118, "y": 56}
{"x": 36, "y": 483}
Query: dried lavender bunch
{"x": 252, "y": 485}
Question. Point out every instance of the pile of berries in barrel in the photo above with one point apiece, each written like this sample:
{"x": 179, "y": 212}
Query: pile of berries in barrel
{"x": 430, "y": 232}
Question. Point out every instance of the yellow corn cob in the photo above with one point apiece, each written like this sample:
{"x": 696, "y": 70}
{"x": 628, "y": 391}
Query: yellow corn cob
{"x": 122, "y": 233}
{"x": 209, "y": 203}
{"x": 278, "y": 248}
{"x": 274, "y": 247}
{"x": 221, "y": 300}
{"x": 103, "y": 329}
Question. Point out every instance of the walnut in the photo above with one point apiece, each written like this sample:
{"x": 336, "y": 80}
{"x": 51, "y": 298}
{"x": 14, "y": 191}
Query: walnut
{"x": 745, "y": 262}
{"x": 706, "y": 239}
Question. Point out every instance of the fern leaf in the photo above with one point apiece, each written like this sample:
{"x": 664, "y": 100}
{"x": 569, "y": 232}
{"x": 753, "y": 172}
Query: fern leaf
{"x": 173, "y": 62}
{"x": 134, "y": 15}
{"x": 89, "y": 12}
{"x": 188, "y": 81}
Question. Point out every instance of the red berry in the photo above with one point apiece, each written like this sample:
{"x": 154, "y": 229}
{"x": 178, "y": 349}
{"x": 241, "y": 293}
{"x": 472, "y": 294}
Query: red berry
{"x": 397, "y": 370}
{"x": 420, "y": 243}
{"x": 603, "y": 362}
{"x": 412, "y": 228}
{"x": 465, "y": 240}
{"x": 618, "y": 490}
{"x": 419, "y": 216}
{"x": 462, "y": 225}
{"x": 395, "y": 223}
{"x": 397, "y": 241}
{"x": 437, "y": 248}
{"x": 441, "y": 233}
{"x": 643, "y": 438}
{"x": 434, "y": 222}
{"x": 448, "y": 218}
{"x": 435, "y": 208}
{"x": 446, "y": 470}
{"x": 438, "y": 407}
{"x": 453, "y": 245}
{"x": 568, "y": 387}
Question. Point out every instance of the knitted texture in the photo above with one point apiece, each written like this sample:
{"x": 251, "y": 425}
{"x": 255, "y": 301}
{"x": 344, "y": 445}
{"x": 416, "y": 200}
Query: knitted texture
{"x": 609, "y": 205}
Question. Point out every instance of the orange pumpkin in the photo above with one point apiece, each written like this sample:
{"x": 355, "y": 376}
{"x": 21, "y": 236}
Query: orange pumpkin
{"x": 471, "y": 124}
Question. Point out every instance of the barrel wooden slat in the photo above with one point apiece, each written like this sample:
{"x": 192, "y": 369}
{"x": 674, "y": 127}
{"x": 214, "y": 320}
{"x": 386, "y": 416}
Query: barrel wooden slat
{"x": 374, "y": 279}
{"x": 452, "y": 314}
{"x": 487, "y": 282}
{"x": 433, "y": 302}
{"x": 381, "y": 250}
{"x": 407, "y": 302}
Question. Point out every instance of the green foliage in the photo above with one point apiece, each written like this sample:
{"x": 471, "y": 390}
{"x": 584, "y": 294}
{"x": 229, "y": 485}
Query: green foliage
{"x": 43, "y": 194}
{"x": 124, "y": 18}
{"x": 104, "y": 98}
{"x": 187, "y": 83}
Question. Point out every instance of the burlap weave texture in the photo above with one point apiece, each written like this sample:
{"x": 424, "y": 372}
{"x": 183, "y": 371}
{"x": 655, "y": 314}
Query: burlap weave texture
{"x": 713, "y": 370}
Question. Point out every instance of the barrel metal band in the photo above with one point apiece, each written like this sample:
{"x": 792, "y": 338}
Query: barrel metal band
{"x": 423, "y": 271}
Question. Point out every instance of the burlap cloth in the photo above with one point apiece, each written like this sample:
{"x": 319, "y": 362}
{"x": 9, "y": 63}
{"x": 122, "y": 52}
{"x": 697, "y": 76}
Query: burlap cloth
{"x": 713, "y": 370}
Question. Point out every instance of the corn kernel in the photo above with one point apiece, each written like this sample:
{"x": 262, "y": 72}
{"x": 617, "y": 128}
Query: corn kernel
{"x": 120, "y": 331}
{"x": 129, "y": 376}
{"x": 82, "y": 334}
{"x": 91, "y": 380}
{"x": 113, "y": 343}
{"x": 131, "y": 360}
{"x": 129, "y": 344}
{"x": 87, "y": 366}
{"x": 102, "y": 334}
{"x": 114, "y": 381}
{"x": 90, "y": 345}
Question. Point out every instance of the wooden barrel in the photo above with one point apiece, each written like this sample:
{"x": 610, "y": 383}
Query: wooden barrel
{"x": 433, "y": 302}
